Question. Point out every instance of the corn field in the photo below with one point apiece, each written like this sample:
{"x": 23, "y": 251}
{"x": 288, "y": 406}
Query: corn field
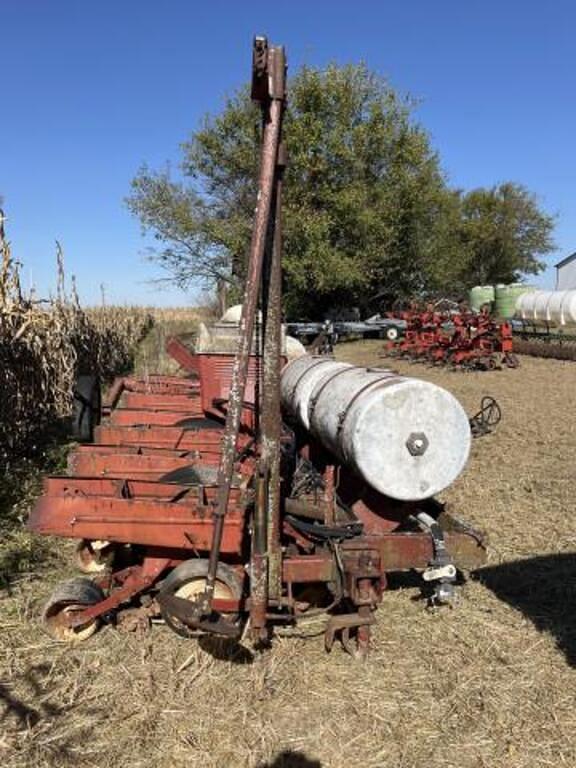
{"x": 45, "y": 344}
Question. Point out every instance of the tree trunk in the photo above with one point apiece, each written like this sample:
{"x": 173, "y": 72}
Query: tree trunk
{"x": 222, "y": 294}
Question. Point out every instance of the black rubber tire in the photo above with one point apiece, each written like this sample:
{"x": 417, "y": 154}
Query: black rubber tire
{"x": 87, "y": 408}
{"x": 192, "y": 570}
{"x": 75, "y": 592}
{"x": 392, "y": 333}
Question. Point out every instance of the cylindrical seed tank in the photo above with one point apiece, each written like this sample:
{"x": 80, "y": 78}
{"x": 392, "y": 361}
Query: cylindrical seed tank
{"x": 408, "y": 439}
{"x": 299, "y": 379}
{"x": 554, "y": 307}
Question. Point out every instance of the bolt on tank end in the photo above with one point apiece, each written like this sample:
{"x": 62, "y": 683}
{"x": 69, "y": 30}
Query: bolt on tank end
{"x": 417, "y": 443}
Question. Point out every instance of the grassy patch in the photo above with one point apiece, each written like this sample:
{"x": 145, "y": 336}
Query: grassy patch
{"x": 21, "y": 552}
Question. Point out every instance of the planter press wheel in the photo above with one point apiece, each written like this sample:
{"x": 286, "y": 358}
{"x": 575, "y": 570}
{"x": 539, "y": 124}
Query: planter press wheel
{"x": 87, "y": 408}
{"x": 70, "y": 597}
{"x": 94, "y": 556}
{"x": 188, "y": 581}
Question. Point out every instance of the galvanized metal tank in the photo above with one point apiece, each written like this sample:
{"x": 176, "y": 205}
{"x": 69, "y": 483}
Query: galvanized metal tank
{"x": 553, "y": 307}
{"x": 408, "y": 439}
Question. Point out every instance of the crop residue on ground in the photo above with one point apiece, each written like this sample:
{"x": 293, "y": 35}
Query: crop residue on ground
{"x": 489, "y": 684}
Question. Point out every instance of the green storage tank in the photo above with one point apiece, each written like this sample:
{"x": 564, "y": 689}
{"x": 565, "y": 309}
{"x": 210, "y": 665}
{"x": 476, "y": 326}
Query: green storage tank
{"x": 479, "y": 295}
{"x": 506, "y": 297}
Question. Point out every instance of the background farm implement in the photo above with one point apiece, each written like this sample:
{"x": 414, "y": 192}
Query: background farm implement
{"x": 463, "y": 339}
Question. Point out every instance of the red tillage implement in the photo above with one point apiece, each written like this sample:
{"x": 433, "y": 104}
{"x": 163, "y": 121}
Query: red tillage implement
{"x": 249, "y": 493}
{"x": 461, "y": 340}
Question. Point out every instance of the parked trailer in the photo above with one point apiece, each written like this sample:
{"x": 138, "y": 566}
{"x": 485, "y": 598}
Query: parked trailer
{"x": 374, "y": 328}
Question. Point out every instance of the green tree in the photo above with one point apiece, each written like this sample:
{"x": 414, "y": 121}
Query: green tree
{"x": 367, "y": 211}
{"x": 364, "y": 194}
{"x": 503, "y": 233}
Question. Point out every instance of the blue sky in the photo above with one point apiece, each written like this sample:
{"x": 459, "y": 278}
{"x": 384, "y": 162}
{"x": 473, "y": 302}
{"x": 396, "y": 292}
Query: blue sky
{"x": 90, "y": 91}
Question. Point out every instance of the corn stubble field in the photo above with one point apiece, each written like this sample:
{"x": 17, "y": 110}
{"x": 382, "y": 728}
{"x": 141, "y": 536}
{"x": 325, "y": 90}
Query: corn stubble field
{"x": 488, "y": 683}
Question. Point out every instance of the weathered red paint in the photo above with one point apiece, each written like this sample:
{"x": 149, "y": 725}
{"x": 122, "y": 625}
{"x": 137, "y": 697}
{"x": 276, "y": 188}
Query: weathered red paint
{"x": 174, "y": 438}
{"x": 129, "y": 489}
{"x": 405, "y": 551}
{"x": 179, "y": 352}
{"x": 302, "y": 569}
{"x": 131, "y": 417}
{"x": 179, "y": 525}
{"x": 133, "y": 466}
{"x": 136, "y": 580}
{"x": 161, "y": 402}
{"x": 144, "y": 450}
{"x": 116, "y": 491}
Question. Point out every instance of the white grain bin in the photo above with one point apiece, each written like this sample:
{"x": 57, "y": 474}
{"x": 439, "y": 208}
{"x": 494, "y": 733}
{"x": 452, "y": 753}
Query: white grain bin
{"x": 408, "y": 439}
{"x": 554, "y": 307}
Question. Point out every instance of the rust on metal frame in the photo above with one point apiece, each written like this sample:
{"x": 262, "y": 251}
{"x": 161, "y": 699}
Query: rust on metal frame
{"x": 274, "y": 101}
{"x": 271, "y": 421}
{"x": 266, "y": 557}
{"x": 161, "y": 402}
{"x": 148, "y": 522}
{"x": 134, "y": 417}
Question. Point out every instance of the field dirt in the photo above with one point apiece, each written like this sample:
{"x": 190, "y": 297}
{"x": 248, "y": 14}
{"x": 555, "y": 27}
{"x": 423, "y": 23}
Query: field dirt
{"x": 490, "y": 683}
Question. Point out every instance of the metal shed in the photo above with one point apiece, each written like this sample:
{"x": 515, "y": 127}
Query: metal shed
{"x": 566, "y": 273}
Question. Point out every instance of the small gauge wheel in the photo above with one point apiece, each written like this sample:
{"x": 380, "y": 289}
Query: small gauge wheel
{"x": 68, "y": 598}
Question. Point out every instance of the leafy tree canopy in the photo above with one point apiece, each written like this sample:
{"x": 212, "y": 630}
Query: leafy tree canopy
{"x": 503, "y": 234}
{"x": 367, "y": 209}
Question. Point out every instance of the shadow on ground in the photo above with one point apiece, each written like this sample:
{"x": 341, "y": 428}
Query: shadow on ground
{"x": 36, "y": 727}
{"x": 224, "y": 649}
{"x": 544, "y": 590}
{"x": 290, "y": 759}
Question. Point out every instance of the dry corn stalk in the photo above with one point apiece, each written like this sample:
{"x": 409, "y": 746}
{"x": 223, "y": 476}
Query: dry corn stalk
{"x": 45, "y": 344}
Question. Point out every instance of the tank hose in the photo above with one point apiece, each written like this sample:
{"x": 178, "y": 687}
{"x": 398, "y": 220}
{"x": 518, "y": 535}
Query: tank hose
{"x": 325, "y": 532}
